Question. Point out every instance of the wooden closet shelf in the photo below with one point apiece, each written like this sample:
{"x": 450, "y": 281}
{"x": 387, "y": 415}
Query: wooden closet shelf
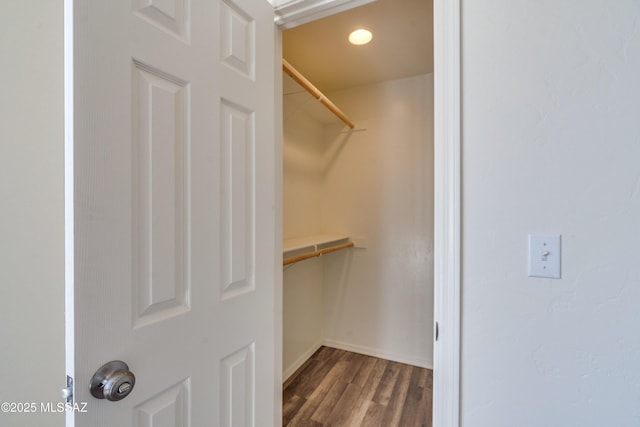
{"x": 313, "y": 246}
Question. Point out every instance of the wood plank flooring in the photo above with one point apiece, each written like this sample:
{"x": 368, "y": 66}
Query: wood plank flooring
{"x": 339, "y": 388}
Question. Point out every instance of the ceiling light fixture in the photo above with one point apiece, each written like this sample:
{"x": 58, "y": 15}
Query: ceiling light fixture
{"x": 360, "y": 37}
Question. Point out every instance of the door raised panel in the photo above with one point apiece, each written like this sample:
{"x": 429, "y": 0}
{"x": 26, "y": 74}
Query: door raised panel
{"x": 160, "y": 195}
{"x": 238, "y": 193}
{"x": 169, "y": 408}
{"x": 171, "y": 16}
{"x": 238, "y": 388}
{"x": 238, "y": 39}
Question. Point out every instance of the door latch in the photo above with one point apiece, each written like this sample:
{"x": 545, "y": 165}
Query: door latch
{"x": 67, "y": 392}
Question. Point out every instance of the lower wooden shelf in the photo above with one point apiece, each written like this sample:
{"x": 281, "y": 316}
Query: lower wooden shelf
{"x": 299, "y": 249}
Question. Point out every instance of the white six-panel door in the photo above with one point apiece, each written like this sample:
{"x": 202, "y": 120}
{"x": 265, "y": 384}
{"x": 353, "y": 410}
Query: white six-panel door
{"x": 170, "y": 216}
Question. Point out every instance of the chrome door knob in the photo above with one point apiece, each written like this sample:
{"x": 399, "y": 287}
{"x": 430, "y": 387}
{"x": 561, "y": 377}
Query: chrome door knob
{"x": 113, "y": 381}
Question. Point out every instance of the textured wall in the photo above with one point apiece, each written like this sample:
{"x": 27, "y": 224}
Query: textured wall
{"x": 378, "y": 187}
{"x": 32, "y": 226}
{"x": 551, "y": 143}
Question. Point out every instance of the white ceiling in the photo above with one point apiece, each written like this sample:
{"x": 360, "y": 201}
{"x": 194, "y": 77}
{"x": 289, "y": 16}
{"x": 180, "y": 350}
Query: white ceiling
{"x": 402, "y": 45}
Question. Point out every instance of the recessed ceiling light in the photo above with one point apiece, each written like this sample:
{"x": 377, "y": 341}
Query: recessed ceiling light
{"x": 360, "y": 37}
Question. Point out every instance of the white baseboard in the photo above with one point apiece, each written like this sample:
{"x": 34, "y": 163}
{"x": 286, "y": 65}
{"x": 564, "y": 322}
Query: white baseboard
{"x": 415, "y": 361}
{"x": 288, "y": 371}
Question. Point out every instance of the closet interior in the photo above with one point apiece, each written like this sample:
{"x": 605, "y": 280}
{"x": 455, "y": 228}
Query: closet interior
{"x": 358, "y": 185}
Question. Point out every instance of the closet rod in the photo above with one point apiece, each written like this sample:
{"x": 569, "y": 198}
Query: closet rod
{"x": 316, "y": 253}
{"x": 295, "y": 74}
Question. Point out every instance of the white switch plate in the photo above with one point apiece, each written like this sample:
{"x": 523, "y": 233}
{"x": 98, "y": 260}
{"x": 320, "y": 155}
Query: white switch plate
{"x": 544, "y": 255}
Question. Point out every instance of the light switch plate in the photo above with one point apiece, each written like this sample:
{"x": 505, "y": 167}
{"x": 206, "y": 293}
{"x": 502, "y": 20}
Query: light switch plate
{"x": 544, "y": 255}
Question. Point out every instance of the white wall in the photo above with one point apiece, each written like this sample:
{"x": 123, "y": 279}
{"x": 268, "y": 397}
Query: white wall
{"x": 378, "y": 187}
{"x": 551, "y": 142}
{"x": 32, "y": 225}
{"x": 302, "y": 281}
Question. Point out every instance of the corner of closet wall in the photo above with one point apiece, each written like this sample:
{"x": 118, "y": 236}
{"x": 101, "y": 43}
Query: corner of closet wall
{"x": 378, "y": 187}
{"x": 302, "y": 281}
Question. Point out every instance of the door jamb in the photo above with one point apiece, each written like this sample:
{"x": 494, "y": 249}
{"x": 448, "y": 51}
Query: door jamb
{"x": 447, "y": 194}
{"x": 447, "y": 203}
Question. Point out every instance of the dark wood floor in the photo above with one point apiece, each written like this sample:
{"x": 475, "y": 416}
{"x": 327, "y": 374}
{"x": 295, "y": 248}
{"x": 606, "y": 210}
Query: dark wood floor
{"x": 339, "y": 388}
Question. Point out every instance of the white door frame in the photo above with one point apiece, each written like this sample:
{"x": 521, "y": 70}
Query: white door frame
{"x": 447, "y": 106}
{"x": 447, "y": 197}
